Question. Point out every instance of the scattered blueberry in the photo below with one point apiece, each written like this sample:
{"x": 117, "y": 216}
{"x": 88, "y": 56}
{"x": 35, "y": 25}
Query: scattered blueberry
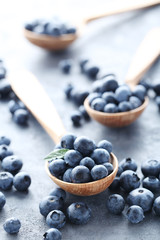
{"x": 76, "y": 118}
{"x": 58, "y": 192}
{"x": 68, "y": 88}
{"x": 57, "y": 167}
{"x": 106, "y": 145}
{"x": 65, "y": 65}
{"x": 99, "y": 172}
{"x": 140, "y": 92}
{"x": 109, "y": 167}
{"x": 6, "y": 180}
{"x": 67, "y": 175}
{"x": 84, "y": 113}
{"x": 115, "y": 204}
{"x": 5, "y": 151}
{"x": 78, "y": 96}
{"x": 87, "y": 162}
{"x": 115, "y": 185}
{"x": 12, "y": 164}
{"x": 91, "y": 71}
{"x": 52, "y": 234}
{"x": 5, "y": 89}
{"x": 15, "y": 105}
{"x": 67, "y": 141}
{"x": 50, "y": 203}
{"x": 79, "y": 213}
{"x": 21, "y": 116}
{"x": 98, "y": 104}
{"x": 128, "y": 164}
{"x": 100, "y": 156}
{"x": 56, "y": 219}
{"x": 2, "y": 200}
{"x": 135, "y": 214}
{"x": 84, "y": 145}
{"x": 72, "y": 158}
{"x": 80, "y": 174}
{"x": 22, "y": 181}
{"x": 129, "y": 180}
{"x": 82, "y": 64}
{"x": 4, "y": 141}
{"x": 151, "y": 168}
{"x": 12, "y": 225}
{"x": 152, "y": 183}
{"x": 156, "y": 206}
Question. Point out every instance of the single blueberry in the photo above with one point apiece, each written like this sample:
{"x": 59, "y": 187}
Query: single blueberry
{"x": 78, "y": 96}
{"x": 140, "y": 92}
{"x": 58, "y": 192}
{"x": 109, "y": 84}
{"x": 129, "y": 180}
{"x": 71, "y": 30}
{"x": 2, "y": 200}
{"x": 52, "y": 234}
{"x": 67, "y": 90}
{"x": 6, "y": 180}
{"x": 72, "y": 158}
{"x": 109, "y": 167}
{"x": 21, "y": 116}
{"x": 152, "y": 183}
{"x": 57, "y": 167}
{"x": 91, "y": 71}
{"x": 135, "y": 214}
{"x": 5, "y": 151}
{"x": 156, "y": 88}
{"x": 22, "y": 181}
{"x": 76, "y": 118}
{"x": 97, "y": 86}
{"x": 29, "y": 26}
{"x": 84, "y": 145}
{"x": 5, "y": 89}
{"x": 100, "y": 156}
{"x": 128, "y": 164}
{"x": 99, "y": 172}
{"x": 109, "y": 97}
{"x": 115, "y": 204}
{"x": 84, "y": 113}
{"x": 157, "y": 99}
{"x": 4, "y": 140}
{"x": 56, "y": 219}
{"x": 135, "y": 101}
{"x": 50, "y": 203}
{"x": 115, "y": 184}
{"x": 156, "y": 206}
{"x": 65, "y": 65}
{"x": 106, "y": 145}
{"x": 122, "y": 94}
{"x": 98, "y": 104}
{"x": 12, "y": 164}
{"x": 88, "y": 162}
{"x": 151, "y": 168}
{"x": 80, "y": 174}
{"x": 111, "y": 108}
{"x": 124, "y": 106}
{"x": 67, "y": 141}
{"x": 141, "y": 197}
{"x": 93, "y": 96}
{"x": 82, "y": 64}
{"x": 12, "y": 225}
{"x": 2, "y": 72}
{"x": 15, "y": 105}
{"x": 79, "y": 213}
{"x": 67, "y": 175}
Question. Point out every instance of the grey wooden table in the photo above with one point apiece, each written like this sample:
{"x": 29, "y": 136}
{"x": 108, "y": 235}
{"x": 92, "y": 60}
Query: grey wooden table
{"x": 111, "y": 44}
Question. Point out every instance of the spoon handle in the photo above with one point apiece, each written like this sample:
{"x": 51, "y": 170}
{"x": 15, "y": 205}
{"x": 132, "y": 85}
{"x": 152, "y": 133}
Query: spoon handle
{"x": 30, "y": 91}
{"x": 147, "y": 53}
{"x": 121, "y": 7}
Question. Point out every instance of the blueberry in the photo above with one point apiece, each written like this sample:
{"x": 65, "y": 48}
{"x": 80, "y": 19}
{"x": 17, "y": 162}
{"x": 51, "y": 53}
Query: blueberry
{"x": 5, "y": 89}
{"x": 56, "y": 219}
{"x": 68, "y": 88}
{"x": 28, "y": 26}
{"x": 6, "y": 180}
{"x": 52, "y": 234}
{"x": 71, "y": 30}
{"x": 115, "y": 204}
{"x": 67, "y": 141}
{"x": 58, "y": 192}
{"x": 141, "y": 197}
{"x": 151, "y": 168}
{"x": 115, "y": 184}
{"x": 12, "y": 225}
{"x": 109, "y": 97}
{"x": 129, "y": 180}
{"x": 111, "y": 108}
{"x": 92, "y": 72}
{"x": 97, "y": 86}
{"x": 87, "y": 162}
{"x": 156, "y": 206}
{"x": 84, "y": 113}
{"x": 72, "y": 158}
{"x": 57, "y": 167}
{"x": 135, "y": 101}
{"x": 80, "y": 174}
{"x": 21, "y": 116}
{"x": 4, "y": 140}
{"x": 120, "y": 170}
{"x": 106, "y": 145}
{"x": 76, "y": 118}
{"x": 124, "y": 106}
{"x": 122, "y": 93}
{"x": 65, "y": 65}
{"x": 140, "y": 92}
{"x": 158, "y": 102}
{"x": 128, "y": 164}
{"x": 50, "y": 203}
{"x": 22, "y": 181}
{"x": 67, "y": 175}
{"x": 99, "y": 172}
{"x": 5, "y": 151}
{"x": 100, "y": 156}
{"x": 12, "y": 164}
{"x": 135, "y": 214}
{"x": 15, "y": 105}
{"x": 82, "y": 64}
{"x": 109, "y": 167}
{"x": 93, "y": 96}
{"x": 98, "y": 104}
{"x": 53, "y": 30}
{"x": 2, "y": 200}
{"x": 146, "y": 83}
{"x": 2, "y": 72}
{"x": 152, "y": 183}
{"x": 78, "y": 97}
{"x": 79, "y": 213}
{"x": 109, "y": 84}
{"x": 84, "y": 145}
{"x": 156, "y": 88}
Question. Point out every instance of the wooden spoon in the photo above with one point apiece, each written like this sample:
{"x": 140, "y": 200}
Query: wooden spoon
{"x": 62, "y": 42}
{"x": 146, "y": 54}
{"x": 29, "y": 90}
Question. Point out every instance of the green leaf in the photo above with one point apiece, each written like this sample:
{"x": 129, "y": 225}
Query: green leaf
{"x": 57, "y": 153}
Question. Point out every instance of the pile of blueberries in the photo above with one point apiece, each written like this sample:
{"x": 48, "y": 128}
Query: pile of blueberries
{"x": 82, "y": 160}
{"x": 51, "y": 208}
{"x": 54, "y": 27}
{"x": 10, "y": 176}
{"x": 20, "y": 114}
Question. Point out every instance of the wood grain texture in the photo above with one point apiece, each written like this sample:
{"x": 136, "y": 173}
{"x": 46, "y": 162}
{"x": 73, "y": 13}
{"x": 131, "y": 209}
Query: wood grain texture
{"x": 87, "y": 189}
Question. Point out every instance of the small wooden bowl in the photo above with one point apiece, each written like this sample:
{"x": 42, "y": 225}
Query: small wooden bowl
{"x": 115, "y": 119}
{"x": 87, "y": 189}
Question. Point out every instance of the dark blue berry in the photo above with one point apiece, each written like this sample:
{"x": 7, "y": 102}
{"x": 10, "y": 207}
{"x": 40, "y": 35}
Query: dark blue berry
{"x": 109, "y": 167}
{"x": 21, "y": 116}
{"x": 68, "y": 88}
{"x": 28, "y": 26}
{"x": 50, "y": 203}
{"x": 98, "y": 104}
{"x": 78, "y": 97}
{"x": 71, "y": 30}
{"x": 5, "y": 151}
{"x": 80, "y": 174}
{"x": 152, "y": 183}
{"x": 82, "y": 64}
{"x": 52, "y": 234}
{"x": 56, "y": 219}
{"x": 4, "y": 140}
{"x": 93, "y": 96}
{"x": 151, "y": 168}
{"x": 12, "y": 164}
{"x": 6, "y": 180}
{"x": 99, "y": 172}
{"x": 135, "y": 214}
{"x": 5, "y": 89}
{"x": 111, "y": 108}
{"x": 91, "y": 71}
{"x": 57, "y": 167}
{"x": 76, "y": 118}
{"x": 115, "y": 204}
{"x": 72, "y": 158}
{"x": 100, "y": 156}
{"x": 129, "y": 180}
{"x": 58, "y": 192}
{"x": 106, "y": 145}
{"x": 109, "y": 84}
{"x": 2, "y": 200}
{"x": 156, "y": 206}
{"x": 140, "y": 92}
{"x": 88, "y": 162}
{"x": 84, "y": 145}
{"x": 15, "y": 105}
{"x": 12, "y": 225}
{"x": 156, "y": 88}
{"x": 84, "y": 113}
{"x": 79, "y": 213}
{"x": 109, "y": 97}
{"x": 67, "y": 141}
{"x": 67, "y": 175}
{"x": 65, "y": 65}
{"x": 135, "y": 101}
{"x": 141, "y": 197}
{"x": 128, "y": 164}
{"x": 22, "y": 181}
{"x": 122, "y": 93}
{"x": 124, "y": 106}
{"x": 115, "y": 184}
{"x": 120, "y": 170}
